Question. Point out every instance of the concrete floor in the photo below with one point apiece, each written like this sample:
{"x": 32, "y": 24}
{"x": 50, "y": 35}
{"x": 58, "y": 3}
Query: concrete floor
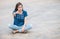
{"x": 44, "y": 15}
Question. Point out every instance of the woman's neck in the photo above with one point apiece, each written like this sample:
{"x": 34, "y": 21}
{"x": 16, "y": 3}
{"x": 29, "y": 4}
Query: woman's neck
{"x": 19, "y": 12}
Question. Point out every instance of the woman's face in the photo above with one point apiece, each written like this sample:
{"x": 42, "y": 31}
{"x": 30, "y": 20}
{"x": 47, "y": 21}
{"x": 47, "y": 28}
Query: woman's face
{"x": 20, "y": 7}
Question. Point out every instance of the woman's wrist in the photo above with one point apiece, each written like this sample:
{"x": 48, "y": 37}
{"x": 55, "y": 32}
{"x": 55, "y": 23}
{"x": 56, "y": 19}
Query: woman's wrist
{"x": 24, "y": 24}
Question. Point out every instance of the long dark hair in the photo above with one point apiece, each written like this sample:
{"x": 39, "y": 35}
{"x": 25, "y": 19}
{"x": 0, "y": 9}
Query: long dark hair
{"x": 17, "y": 6}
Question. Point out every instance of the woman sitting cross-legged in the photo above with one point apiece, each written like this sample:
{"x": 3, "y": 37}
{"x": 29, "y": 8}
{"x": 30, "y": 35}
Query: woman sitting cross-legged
{"x": 20, "y": 19}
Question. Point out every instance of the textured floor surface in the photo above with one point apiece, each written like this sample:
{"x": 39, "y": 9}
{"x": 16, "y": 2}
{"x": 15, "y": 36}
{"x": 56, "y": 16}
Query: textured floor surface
{"x": 44, "y": 15}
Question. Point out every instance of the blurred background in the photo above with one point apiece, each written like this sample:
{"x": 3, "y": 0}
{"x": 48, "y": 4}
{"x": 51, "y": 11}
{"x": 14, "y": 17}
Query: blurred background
{"x": 44, "y": 15}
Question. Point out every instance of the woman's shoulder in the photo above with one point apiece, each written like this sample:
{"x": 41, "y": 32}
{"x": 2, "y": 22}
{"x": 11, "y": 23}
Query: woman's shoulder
{"x": 14, "y": 11}
{"x": 24, "y": 11}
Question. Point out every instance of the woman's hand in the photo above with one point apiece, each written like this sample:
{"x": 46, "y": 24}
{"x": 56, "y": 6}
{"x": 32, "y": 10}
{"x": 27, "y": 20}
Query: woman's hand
{"x": 14, "y": 14}
{"x": 23, "y": 28}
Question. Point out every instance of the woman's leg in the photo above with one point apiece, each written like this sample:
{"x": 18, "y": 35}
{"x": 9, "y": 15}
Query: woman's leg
{"x": 14, "y": 27}
{"x": 27, "y": 27}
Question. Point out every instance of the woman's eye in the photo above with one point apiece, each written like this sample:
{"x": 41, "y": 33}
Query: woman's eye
{"x": 19, "y": 7}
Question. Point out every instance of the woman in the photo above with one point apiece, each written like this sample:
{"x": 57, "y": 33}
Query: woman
{"x": 20, "y": 19}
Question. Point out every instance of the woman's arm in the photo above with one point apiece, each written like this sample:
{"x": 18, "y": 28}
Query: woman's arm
{"x": 25, "y": 23}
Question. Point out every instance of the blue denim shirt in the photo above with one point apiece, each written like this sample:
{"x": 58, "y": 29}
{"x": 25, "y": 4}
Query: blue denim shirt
{"x": 19, "y": 18}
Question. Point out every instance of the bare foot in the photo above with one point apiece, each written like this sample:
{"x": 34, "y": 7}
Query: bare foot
{"x": 15, "y": 31}
{"x": 25, "y": 31}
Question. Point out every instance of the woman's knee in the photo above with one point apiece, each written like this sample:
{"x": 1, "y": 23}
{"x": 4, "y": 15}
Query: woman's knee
{"x": 28, "y": 26}
{"x": 13, "y": 27}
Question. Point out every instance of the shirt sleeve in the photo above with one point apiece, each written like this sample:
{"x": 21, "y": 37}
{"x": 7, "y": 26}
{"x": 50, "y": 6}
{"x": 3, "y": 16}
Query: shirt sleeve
{"x": 25, "y": 14}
